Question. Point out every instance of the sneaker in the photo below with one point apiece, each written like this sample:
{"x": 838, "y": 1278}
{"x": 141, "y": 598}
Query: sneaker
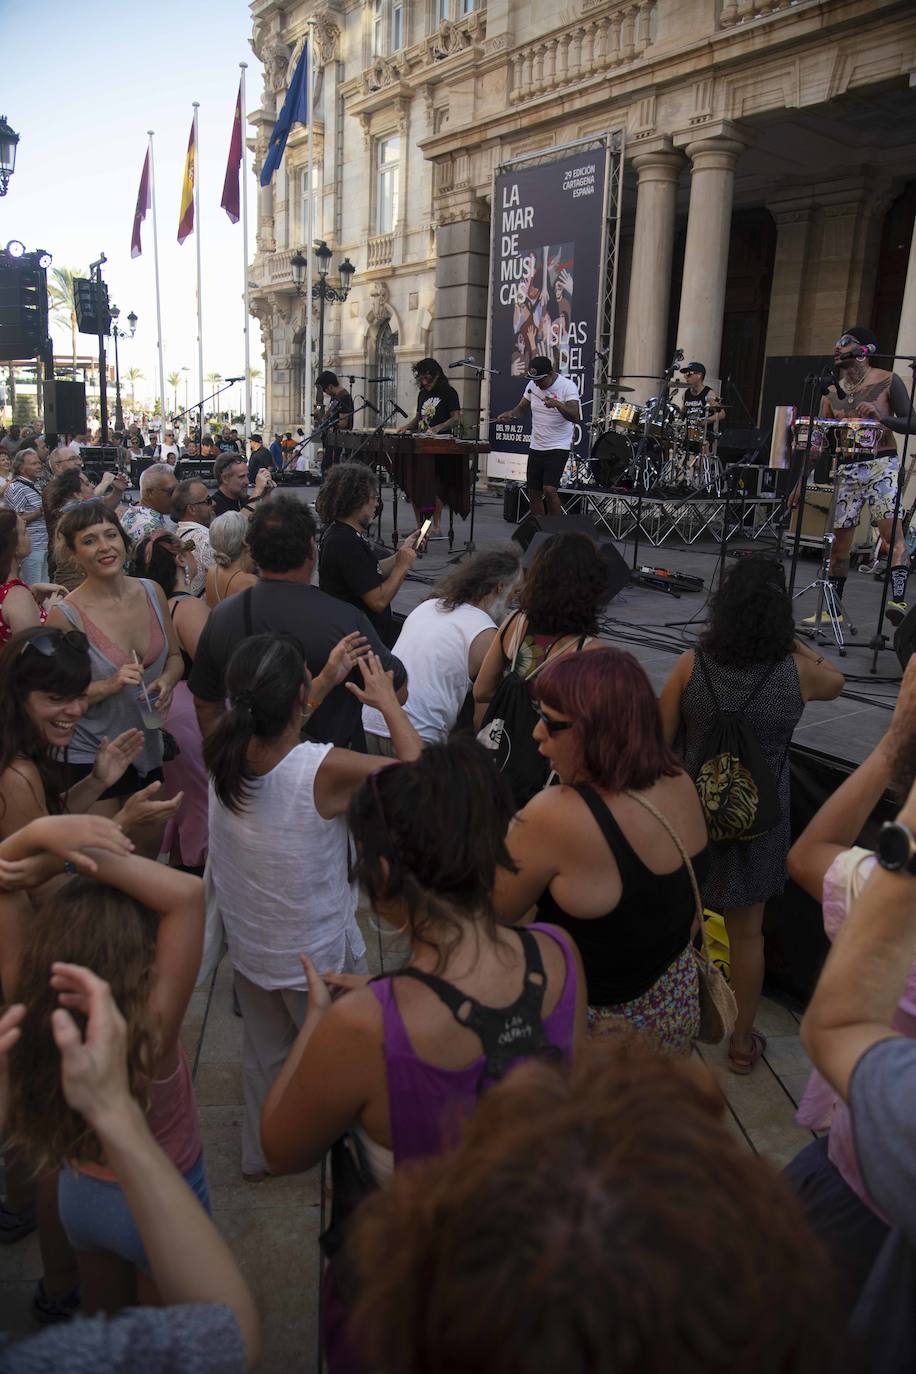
{"x": 825, "y": 619}
{"x": 895, "y": 612}
{"x": 51, "y": 1310}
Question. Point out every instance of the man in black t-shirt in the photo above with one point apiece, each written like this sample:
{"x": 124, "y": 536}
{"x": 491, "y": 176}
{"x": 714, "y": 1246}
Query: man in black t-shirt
{"x": 340, "y": 411}
{"x": 230, "y": 471}
{"x": 700, "y": 408}
{"x": 348, "y": 567}
{"x": 260, "y": 458}
{"x": 281, "y": 540}
{"x": 438, "y": 411}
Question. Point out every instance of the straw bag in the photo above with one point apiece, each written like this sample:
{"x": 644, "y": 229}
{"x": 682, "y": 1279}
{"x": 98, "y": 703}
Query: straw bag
{"x": 718, "y": 1008}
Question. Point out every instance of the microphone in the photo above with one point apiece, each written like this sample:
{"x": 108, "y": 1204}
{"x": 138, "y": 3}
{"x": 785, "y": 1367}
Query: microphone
{"x": 397, "y": 410}
{"x": 227, "y": 380}
{"x": 366, "y": 402}
{"x": 464, "y": 362}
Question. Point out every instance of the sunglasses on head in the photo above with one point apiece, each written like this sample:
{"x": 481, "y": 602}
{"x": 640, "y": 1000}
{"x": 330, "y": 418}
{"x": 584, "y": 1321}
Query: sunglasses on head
{"x": 50, "y": 642}
{"x": 553, "y": 727}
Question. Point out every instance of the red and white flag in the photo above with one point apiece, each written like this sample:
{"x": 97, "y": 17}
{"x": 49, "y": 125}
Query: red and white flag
{"x": 143, "y": 204}
{"x": 231, "y": 193}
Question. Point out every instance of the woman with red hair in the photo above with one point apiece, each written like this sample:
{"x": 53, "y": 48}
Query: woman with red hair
{"x": 598, "y": 856}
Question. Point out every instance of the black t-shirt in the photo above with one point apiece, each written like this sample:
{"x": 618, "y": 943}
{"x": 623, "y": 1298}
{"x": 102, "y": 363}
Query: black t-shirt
{"x": 348, "y": 568}
{"x": 446, "y": 402}
{"x": 341, "y": 405}
{"x": 694, "y": 407}
{"x": 317, "y": 620}
{"x": 260, "y": 458}
{"x": 222, "y": 503}
{"x": 227, "y": 446}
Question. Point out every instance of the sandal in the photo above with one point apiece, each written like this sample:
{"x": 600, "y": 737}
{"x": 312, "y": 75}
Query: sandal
{"x": 49, "y": 1311}
{"x": 739, "y": 1062}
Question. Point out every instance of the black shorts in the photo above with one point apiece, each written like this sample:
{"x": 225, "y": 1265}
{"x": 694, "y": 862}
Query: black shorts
{"x": 130, "y": 782}
{"x": 545, "y": 467}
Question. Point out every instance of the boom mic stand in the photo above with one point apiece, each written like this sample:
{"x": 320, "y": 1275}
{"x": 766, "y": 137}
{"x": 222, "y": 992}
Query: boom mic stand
{"x": 375, "y": 436}
{"x": 199, "y": 406}
{"x": 470, "y": 547}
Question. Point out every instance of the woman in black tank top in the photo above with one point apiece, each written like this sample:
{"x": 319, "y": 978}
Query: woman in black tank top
{"x": 595, "y": 860}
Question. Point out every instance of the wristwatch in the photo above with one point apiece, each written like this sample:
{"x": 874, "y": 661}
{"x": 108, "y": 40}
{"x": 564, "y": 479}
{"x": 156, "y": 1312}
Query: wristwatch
{"x": 897, "y": 848}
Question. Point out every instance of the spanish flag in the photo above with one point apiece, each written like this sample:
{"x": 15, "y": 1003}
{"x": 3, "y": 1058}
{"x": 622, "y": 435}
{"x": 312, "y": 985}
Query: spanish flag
{"x": 186, "y": 218}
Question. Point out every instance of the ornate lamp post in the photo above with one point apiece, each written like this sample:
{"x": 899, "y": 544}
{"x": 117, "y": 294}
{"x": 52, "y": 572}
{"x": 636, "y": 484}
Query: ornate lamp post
{"x": 120, "y": 334}
{"x": 323, "y": 290}
{"x": 8, "y": 144}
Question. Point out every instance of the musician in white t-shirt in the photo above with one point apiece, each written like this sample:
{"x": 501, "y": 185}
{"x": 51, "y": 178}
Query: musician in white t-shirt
{"x": 554, "y": 405}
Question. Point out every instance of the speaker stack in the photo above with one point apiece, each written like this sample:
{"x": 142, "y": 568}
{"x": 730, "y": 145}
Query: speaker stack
{"x": 23, "y": 327}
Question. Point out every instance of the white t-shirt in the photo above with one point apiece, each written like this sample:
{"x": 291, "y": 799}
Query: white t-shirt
{"x": 550, "y": 429}
{"x": 433, "y": 646}
{"x": 279, "y": 872}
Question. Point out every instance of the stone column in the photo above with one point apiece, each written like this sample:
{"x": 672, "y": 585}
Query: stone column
{"x": 906, "y": 334}
{"x": 713, "y": 158}
{"x": 794, "y": 219}
{"x": 462, "y": 272}
{"x": 658, "y": 168}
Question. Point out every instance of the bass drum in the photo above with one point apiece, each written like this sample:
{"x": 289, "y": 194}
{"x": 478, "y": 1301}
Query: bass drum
{"x": 612, "y": 453}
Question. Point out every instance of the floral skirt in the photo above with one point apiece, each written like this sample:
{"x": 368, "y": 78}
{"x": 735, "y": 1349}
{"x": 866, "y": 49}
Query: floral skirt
{"x": 668, "y": 1014}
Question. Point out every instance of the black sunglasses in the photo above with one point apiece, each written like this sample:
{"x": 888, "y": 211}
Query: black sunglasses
{"x": 49, "y": 642}
{"x": 553, "y": 727}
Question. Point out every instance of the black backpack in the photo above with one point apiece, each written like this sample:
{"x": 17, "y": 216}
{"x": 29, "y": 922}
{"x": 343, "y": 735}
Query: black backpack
{"x": 738, "y": 792}
{"x": 508, "y": 727}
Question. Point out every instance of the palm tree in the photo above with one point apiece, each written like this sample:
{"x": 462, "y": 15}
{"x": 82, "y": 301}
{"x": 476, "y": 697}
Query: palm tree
{"x": 173, "y": 380}
{"x": 62, "y": 300}
{"x": 133, "y": 375}
{"x": 214, "y": 378}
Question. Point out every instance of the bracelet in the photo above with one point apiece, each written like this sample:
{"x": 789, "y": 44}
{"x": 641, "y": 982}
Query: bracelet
{"x": 313, "y": 704}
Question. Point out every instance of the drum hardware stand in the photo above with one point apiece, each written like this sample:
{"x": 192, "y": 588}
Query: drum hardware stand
{"x": 379, "y": 467}
{"x": 827, "y": 597}
{"x": 640, "y": 462}
{"x": 879, "y": 638}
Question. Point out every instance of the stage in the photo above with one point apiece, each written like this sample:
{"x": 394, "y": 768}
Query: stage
{"x": 656, "y": 626}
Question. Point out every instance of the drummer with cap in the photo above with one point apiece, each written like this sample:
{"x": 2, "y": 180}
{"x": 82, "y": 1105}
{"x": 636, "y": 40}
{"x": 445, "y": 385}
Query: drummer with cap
{"x": 699, "y": 406}
{"x": 555, "y": 410}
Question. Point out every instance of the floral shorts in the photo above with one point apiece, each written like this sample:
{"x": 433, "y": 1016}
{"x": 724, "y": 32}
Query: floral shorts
{"x": 668, "y": 1014}
{"x": 874, "y": 481}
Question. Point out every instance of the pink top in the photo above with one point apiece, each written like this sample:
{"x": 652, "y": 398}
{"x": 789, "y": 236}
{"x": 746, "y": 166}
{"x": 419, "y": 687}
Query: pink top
{"x": 173, "y": 1119}
{"x": 113, "y": 652}
{"x": 5, "y": 631}
{"x": 820, "y": 1106}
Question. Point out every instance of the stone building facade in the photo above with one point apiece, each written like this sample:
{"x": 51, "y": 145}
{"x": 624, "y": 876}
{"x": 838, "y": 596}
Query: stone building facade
{"x": 768, "y": 196}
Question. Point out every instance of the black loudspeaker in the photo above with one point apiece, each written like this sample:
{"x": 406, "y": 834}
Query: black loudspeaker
{"x": 553, "y": 524}
{"x": 22, "y": 310}
{"x": 93, "y": 312}
{"x": 512, "y": 502}
{"x": 65, "y": 407}
{"x": 905, "y": 637}
{"x": 784, "y": 384}
{"x": 618, "y": 574}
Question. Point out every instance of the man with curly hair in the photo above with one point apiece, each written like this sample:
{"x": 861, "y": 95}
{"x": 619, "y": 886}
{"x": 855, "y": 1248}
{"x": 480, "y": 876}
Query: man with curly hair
{"x": 348, "y": 567}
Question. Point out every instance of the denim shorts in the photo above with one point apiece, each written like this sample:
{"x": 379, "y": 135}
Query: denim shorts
{"x": 95, "y": 1214}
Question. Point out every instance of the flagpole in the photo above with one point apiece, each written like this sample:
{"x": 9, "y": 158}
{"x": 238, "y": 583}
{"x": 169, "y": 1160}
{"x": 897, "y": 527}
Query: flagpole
{"x": 244, "y": 172}
{"x": 310, "y": 234}
{"x": 152, "y": 197}
{"x": 200, "y": 305}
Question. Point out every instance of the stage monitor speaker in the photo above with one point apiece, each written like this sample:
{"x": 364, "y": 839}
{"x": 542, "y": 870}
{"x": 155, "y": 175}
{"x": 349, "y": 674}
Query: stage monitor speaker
{"x": 65, "y": 407}
{"x": 618, "y": 573}
{"x": 905, "y": 637}
{"x": 553, "y": 524}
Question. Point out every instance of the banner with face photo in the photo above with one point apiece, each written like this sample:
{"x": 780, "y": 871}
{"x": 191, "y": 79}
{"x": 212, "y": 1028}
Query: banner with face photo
{"x": 547, "y": 243}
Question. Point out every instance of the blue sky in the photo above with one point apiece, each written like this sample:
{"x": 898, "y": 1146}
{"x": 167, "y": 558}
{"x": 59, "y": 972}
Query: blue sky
{"x": 99, "y": 76}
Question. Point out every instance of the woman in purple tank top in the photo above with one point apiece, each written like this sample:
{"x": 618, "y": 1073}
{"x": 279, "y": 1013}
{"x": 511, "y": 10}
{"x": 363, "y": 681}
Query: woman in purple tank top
{"x": 402, "y": 1059}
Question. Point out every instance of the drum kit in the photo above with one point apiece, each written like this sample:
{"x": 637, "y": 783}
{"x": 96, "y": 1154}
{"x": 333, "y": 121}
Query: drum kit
{"x": 653, "y": 448}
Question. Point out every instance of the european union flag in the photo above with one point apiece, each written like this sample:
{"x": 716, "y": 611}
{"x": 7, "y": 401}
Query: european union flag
{"x": 295, "y": 111}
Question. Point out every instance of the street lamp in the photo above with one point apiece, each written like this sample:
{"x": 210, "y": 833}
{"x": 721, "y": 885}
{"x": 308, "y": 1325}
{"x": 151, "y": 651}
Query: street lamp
{"x": 120, "y": 334}
{"x": 322, "y": 290}
{"x": 8, "y": 144}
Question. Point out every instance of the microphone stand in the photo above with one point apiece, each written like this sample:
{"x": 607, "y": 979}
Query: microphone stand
{"x": 879, "y": 639}
{"x": 470, "y": 546}
{"x": 199, "y": 405}
{"x": 377, "y": 436}
{"x": 639, "y": 464}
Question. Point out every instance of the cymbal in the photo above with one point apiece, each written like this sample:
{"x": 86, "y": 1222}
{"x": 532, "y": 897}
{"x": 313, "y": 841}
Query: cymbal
{"x": 620, "y": 389}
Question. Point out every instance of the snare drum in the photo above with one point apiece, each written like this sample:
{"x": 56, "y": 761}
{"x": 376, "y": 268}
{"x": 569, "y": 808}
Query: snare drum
{"x": 626, "y": 415}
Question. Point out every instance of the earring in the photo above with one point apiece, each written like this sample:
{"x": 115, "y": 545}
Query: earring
{"x": 187, "y": 576}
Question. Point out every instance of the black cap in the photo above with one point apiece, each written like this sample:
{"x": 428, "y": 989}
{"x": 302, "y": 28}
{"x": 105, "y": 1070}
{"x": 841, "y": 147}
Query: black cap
{"x": 694, "y": 367}
{"x": 540, "y": 366}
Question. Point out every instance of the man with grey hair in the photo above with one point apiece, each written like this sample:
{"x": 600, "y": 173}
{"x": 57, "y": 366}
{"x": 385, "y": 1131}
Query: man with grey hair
{"x": 193, "y": 509}
{"x": 23, "y": 495}
{"x": 62, "y": 458}
{"x": 158, "y": 485}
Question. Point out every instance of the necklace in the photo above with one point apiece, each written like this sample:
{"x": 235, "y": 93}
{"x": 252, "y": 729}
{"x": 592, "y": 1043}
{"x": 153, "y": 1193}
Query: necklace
{"x": 851, "y": 387}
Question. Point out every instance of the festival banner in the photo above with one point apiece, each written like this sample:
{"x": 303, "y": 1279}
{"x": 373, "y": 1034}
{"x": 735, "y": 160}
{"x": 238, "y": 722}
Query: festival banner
{"x": 186, "y": 213}
{"x": 545, "y": 267}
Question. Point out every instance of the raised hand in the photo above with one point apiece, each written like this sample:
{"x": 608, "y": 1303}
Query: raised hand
{"x": 344, "y": 657}
{"x": 142, "y": 807}
{"x": 67, "y": 836}
{"x": 115, "y": 757}
{"x": 93, "y": 1070}
{"x": 378, "y": 686}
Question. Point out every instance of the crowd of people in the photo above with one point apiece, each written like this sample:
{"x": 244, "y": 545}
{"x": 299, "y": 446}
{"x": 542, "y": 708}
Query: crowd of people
{"x": 216, "y": 735}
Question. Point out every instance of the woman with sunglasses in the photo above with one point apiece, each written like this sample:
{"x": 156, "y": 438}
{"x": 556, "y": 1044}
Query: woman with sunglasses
{"x": 136, "y": 657}
{"x": 595, "y": 855}
{"x": 171, "y": 562}
{"x": 279, "y": 854}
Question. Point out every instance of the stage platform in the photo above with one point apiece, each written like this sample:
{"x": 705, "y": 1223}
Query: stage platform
{"x": 656, "y": 626}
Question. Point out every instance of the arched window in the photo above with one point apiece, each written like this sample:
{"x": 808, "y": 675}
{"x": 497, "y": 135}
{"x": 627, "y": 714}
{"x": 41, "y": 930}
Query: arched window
{"x": 385, "y": 365}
